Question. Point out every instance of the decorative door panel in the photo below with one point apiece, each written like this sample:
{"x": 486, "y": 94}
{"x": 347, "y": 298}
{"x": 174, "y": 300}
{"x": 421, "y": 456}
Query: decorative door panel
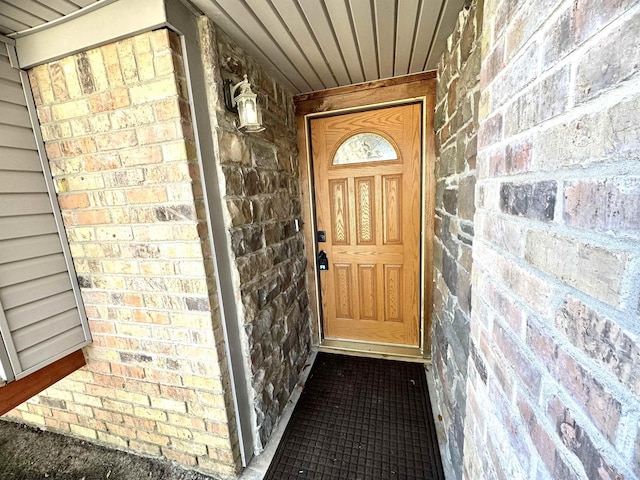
{"x": 339, "y": 198}
{"x": 365, "y": 203}
{"x": 391, "y": 209}
{"x": 366, "y": 168}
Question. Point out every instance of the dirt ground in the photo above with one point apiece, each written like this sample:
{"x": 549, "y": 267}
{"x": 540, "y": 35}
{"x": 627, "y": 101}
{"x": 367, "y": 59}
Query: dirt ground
{"x": 29, "y": 454}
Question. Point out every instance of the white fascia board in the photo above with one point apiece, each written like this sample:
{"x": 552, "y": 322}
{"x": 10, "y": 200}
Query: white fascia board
{"x": 99, "y": 26}
{"x": 3, "y": 360}
{"x": 6, "y": 372}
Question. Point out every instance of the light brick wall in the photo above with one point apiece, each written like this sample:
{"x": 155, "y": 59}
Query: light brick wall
{"x": 553, "y": 391}
{"x": 117, "y": 128}
{"x": 456, "y": 124}
{"x": 260, "y": 172}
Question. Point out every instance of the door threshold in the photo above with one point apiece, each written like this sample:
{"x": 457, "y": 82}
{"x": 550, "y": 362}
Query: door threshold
{"x": 388, "y": 352}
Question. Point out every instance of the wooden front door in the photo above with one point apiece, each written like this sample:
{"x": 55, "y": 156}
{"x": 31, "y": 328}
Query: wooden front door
{"x": 367, "y": 172}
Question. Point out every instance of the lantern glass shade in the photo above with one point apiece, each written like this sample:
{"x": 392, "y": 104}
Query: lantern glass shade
{"x": 249, "y": 113}
{"x": 248, "y": 108}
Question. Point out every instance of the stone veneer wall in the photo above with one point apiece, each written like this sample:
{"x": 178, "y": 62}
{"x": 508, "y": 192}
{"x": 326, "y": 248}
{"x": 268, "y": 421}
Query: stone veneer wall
{"x": 554, "y": 391}
{"x": 260, "y": 172}
{"x": 456, "y": 124}
{"x": 119, "y": 137}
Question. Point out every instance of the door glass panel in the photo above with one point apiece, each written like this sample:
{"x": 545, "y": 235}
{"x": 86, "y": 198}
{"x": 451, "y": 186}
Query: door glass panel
{"x": 364, "y": 147}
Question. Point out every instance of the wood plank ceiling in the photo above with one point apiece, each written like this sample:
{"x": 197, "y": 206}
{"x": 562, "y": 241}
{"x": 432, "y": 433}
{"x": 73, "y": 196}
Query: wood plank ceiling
{"x": 309, "y": 44}
{"x": 19, "y": 15}
{"x": 318, "y": 44}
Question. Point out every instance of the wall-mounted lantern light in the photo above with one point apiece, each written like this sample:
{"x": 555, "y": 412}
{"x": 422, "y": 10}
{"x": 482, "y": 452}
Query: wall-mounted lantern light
{"x": 245, "y": 104}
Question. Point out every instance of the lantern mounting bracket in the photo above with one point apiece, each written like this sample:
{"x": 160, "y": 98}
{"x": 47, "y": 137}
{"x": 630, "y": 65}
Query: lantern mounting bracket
{"x": 229, "y": 95}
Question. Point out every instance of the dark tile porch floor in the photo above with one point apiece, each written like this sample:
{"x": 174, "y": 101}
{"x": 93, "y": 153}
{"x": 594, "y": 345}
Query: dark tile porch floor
{"x": 360, "y": 419}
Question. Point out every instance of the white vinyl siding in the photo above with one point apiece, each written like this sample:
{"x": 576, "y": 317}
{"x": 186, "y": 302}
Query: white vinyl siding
{"x": 41, "y": 319}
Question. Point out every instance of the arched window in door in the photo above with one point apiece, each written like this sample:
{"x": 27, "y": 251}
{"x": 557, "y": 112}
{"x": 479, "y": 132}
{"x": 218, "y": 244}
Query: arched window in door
{"x": 364, "y": 147}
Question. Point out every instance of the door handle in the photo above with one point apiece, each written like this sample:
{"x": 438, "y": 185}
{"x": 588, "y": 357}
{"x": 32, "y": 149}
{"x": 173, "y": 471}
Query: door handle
{"x": 323, "y": 261}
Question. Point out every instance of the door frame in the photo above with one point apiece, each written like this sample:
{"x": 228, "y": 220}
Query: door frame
{"x": 415, "y": 88}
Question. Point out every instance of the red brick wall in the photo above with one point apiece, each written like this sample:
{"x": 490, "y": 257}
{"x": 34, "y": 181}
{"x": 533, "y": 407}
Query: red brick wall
{"x": 553, "y": 390}
{"x": 117, "y": 127}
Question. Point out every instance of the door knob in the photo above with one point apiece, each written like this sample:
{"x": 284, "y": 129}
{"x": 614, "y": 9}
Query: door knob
{"x": 323, "y": 261}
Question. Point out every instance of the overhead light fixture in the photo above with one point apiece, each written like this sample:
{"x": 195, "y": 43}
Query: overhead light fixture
{"x": 245, "y": 104}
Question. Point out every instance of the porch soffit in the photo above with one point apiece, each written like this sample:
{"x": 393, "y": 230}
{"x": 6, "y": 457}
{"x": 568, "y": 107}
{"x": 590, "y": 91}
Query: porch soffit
{"x": 20, "y": 15}
{"x": 309, "y": 45}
